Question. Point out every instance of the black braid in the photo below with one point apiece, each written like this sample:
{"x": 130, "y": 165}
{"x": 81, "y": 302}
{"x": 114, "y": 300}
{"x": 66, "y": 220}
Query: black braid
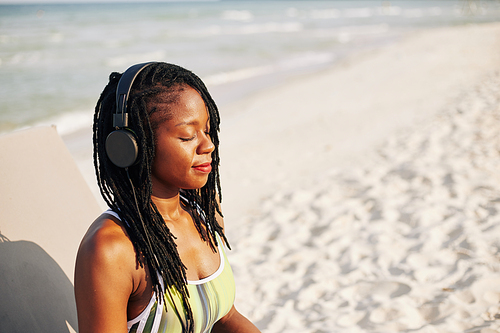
{"x": 160, "y": 254}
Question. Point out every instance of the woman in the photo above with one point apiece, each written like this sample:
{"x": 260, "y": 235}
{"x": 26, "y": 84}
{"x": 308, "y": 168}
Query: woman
{"x": 155, "y": 262}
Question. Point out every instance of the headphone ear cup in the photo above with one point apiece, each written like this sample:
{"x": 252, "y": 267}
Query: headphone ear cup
{"x": 122, "y": 148}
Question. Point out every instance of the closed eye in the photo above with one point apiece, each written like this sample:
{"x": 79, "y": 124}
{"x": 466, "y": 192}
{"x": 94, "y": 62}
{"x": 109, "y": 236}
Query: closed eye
{"x": 188, "y": 139}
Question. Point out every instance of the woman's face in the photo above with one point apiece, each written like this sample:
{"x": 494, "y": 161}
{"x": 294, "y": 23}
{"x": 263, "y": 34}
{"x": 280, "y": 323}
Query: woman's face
{"x": 183, "y": 147}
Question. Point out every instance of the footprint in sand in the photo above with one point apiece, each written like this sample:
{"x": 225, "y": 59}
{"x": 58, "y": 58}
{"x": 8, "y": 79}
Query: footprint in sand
{"x": 377, "y": 289}
{"x": 387, "y": 289}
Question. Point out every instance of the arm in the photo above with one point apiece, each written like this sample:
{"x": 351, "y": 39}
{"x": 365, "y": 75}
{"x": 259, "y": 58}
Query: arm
{"x": 234, "y": 322}
{"x": 103, "y": 279}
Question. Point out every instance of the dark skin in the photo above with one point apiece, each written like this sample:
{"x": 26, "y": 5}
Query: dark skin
{"x": 110, "y": 286}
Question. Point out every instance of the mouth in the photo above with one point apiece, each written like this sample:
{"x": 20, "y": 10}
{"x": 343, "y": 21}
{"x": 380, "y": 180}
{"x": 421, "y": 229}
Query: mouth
{"x": 205, "y": 167}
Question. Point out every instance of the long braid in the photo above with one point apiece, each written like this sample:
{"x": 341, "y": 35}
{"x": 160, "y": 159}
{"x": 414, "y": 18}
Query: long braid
{"x": 153, "y": 242}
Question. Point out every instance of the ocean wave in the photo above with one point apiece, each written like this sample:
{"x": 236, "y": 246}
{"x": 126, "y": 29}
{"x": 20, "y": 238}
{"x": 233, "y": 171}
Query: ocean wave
{"x": 365, "y": 29}
{"x": 347, "y": 33}
{"x": 389, "y": 10}
{"x": 300, "y": 61}
{"x": 237, "y": 15}
{"x": 331, "y": 13}
{"x": 23, "y": 58}
{"x": 70, "y": 122}
{"x": 250, "y": 29}
{"x": 357, "y": 12}
{"x": 238, "y": 75}
{"x": 135, "y": 58}
{"x": 325, "y": 13}
{"x": 4, "y": 39}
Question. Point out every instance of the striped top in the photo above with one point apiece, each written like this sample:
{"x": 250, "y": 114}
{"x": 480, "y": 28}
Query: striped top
{"x": 210, "y": 298}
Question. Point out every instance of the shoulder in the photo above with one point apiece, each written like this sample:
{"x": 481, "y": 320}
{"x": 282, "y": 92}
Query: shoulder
{"x": 106, "y": 240}
{"x": 106, "y": 250}
{"x": 106, "y": 275}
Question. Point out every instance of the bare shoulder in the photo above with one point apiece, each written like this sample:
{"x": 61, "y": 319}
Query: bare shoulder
{"x": 105, "y": 276}
{"x": 106, "y": 242}
{"x": 106, "y": 256}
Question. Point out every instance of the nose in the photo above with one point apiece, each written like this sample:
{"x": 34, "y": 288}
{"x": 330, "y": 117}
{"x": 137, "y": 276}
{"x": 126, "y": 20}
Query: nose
{"x": 206, "y": 145}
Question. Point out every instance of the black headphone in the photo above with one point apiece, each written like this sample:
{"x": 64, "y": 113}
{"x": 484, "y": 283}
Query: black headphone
{"x": 121, "y": 144}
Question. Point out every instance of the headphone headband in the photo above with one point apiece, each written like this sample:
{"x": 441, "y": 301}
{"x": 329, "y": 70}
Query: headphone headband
{"x": 120, "y": 118}
{"x": 121, "y": 144}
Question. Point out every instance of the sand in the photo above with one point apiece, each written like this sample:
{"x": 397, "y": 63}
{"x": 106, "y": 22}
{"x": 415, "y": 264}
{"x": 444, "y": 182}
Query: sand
{"x": 407, "y": 242}
{"x": 365, "y": 198}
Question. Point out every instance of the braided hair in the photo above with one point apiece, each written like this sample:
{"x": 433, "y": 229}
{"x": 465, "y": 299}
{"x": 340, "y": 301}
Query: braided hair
{"x": 128, "y": 191}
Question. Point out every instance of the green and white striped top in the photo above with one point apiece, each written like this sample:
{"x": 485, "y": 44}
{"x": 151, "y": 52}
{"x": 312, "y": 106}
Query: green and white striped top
{"x": 210, "y": 298}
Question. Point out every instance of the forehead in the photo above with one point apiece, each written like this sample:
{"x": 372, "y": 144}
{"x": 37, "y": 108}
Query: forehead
{"x": 190, "y": 99}
{"x": 186, "y": 107}
{"x": 177, "y": 104}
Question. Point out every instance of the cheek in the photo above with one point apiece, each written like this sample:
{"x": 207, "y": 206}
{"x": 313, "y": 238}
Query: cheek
{"x": 162, "y": 157}
{"x": 173, "y": 156}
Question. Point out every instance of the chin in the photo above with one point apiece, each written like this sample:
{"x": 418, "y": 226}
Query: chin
{"x": 195, "y": 186}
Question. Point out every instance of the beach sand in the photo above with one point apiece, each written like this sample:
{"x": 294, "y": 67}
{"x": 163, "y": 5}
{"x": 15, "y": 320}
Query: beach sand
{"x": 365, "y": 198}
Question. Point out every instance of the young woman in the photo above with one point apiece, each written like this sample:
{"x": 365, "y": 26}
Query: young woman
{"x": 155, "y": 261}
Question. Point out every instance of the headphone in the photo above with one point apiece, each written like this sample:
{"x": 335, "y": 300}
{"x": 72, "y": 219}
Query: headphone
{"x": 121, "y": 144}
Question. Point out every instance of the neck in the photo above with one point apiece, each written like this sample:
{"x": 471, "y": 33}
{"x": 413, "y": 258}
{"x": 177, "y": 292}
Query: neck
{"x": 168, "y": 206}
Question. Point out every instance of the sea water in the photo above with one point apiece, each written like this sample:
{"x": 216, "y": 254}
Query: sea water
{"x": 55, "y": 59}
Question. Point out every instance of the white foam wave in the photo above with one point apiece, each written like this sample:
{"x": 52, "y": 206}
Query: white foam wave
{"x": 300, "y": 61}
{"x": 250, "y": 29}
{"x": 126, "y": 60}
{"x": 237, "y": 15}
{"x": 422, "y": 12}
{"x": 4, "y": 39}
{"x": 389, "y": 11}
{"x": 365, "y": 29}
{"x": 325, "y": 13}
{"x": 25, "y": 58}
{"x": 292, "y": 12}
{"x": 304, "y": 60}
{"x": 347, "y": 33}
{"x": 332, "y": 13}
{"x": 70, "y": 122}
{"x": 435, "y": 11}
{"x": 56, "y": 38}
{"x": 357, "y": 12}
{"x": 415, "y": 12}
{"x": 237, "y": 75}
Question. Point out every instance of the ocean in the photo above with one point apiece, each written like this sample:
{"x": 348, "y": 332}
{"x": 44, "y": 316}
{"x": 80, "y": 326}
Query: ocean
{"x": 55, "y": 59}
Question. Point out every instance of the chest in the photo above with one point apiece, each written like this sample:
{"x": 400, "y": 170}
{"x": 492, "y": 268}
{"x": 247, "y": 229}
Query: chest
{"x": 209, "y": 299}
{"x": 200, "y": 259}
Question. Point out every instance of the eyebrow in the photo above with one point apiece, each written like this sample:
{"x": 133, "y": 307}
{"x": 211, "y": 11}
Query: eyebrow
{"x": 194, "y": 122}
{"x": 189, "y": 123}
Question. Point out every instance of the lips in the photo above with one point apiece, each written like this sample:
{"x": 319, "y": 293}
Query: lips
{"x": 205, "y": 167}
